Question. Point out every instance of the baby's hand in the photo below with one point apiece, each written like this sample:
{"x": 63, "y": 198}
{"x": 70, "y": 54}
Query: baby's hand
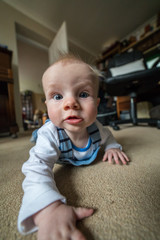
{"x": 58, "y": 221}
{"x": 115, "y": 154}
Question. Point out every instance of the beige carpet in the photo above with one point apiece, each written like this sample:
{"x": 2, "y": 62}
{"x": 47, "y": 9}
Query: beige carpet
{"x": 126, "y": 198}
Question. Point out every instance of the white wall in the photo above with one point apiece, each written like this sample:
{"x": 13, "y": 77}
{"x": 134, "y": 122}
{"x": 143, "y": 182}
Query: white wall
{"x": 33, "y": 61}
{"x": 8, "y": 19}
{"x": 137, "y": 32}
{"x": 140, "y": 30}
{"x": 59, "y": 44}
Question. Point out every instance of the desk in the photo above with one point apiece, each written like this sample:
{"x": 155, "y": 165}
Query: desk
{"x": 123, "y": 104}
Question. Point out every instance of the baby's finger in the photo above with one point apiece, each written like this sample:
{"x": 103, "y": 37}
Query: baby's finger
{"x": 77, "y": 235}
{"x": 83, "y": 212}
{"x": 125, "y": 156}
{"x": 105, "y": 157}
{"x": 121, "y": 157}
{"x": 110, "y": 156}
{"x": 116, "y": 158}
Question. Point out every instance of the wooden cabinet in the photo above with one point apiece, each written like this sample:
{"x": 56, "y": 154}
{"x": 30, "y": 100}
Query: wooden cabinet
{"x": 7, "y": 110}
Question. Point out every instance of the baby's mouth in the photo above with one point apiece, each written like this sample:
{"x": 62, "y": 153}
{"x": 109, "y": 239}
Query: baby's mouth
{"x": 73, "y": 119}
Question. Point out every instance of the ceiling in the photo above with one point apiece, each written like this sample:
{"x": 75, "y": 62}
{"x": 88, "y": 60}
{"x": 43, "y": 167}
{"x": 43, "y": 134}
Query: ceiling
{"x": 90, "y": 23}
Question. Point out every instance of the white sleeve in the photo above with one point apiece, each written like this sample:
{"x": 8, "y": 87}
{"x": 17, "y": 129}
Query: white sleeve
{"x": 107, "y": 139}
{"x": 39, "y": 186}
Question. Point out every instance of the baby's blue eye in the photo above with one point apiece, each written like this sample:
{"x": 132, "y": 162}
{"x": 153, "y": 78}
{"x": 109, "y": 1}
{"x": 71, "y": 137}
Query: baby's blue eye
{"x": 57, "y": 97}
{"x": 84, "y": 95}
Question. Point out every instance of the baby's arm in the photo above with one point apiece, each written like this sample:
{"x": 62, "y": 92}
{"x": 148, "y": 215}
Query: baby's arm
{"x": 115, "y": 154}
{"x": 58, "y": 221}
{"x": 43, "y": 207}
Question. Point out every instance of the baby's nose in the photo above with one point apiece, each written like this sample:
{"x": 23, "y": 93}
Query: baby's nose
{"x": 71, "y": 103}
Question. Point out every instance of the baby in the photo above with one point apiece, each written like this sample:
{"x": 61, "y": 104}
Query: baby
{"x": 72, "y": 136}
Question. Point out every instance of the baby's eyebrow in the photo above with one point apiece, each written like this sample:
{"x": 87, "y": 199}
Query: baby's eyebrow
{"x": 55, "y": 86}
{"x": 52, "y": 88}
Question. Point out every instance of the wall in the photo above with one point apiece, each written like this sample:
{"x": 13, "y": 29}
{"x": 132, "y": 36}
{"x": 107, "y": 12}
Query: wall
{"x": 33, "y": 61}
{"x": 136, "y": 33}
{"x": 140, "y": 30}
{"x": 59, "y": 44}
{"x": 8, "y": 18}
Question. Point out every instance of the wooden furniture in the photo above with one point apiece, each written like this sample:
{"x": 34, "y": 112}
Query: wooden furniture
{"x": 7, "y": 110}
{"x": 123, "y": 104}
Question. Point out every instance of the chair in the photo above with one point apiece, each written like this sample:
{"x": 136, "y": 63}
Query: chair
{"x": 128, "y": 75}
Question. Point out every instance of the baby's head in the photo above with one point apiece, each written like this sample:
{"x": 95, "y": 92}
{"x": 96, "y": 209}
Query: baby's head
{"x": 68, "y": 59}
{"x": 71, "y": 89}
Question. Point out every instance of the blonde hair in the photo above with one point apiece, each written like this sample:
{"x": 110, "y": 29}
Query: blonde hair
{"x": 70, "y": 58}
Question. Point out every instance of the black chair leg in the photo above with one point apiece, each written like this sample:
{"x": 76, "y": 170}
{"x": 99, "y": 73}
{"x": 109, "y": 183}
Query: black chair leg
{"x": 133, "y": 111}
{"x": 133, "y": 118}
{"x": 114, "y": 126}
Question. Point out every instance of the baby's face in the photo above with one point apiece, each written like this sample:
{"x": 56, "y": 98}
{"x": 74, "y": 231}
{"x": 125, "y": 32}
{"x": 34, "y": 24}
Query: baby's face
{"x": 71, "y": 95}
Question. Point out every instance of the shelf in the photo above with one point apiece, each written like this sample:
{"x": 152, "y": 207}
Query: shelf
{"x": 149, "y": 41}
{"x": 153, "y": 35}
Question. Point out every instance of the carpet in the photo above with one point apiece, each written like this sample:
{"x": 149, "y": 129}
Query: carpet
{"x": 126, "y": 199}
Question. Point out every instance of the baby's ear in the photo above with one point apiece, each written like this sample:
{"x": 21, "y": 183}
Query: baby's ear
{"x": 98, "y": 101}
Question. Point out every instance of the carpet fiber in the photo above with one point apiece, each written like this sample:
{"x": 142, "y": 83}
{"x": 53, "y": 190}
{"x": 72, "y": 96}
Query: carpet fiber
{"x": 126, "y": 199}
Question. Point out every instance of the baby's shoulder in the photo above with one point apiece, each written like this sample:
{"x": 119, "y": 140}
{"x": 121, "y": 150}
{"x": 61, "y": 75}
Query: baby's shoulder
{"x": 49, "y": 130}
{"x": 49, "y": 126}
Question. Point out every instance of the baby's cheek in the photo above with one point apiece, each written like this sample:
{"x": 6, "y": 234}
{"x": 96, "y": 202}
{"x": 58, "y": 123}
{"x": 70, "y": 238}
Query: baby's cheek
{"x": 92, "y": 111}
